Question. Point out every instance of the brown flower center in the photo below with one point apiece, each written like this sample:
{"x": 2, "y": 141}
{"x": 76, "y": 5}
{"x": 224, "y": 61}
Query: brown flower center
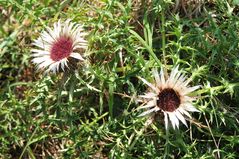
{"x": 168, "y": 100}
{"x": 61, "y": 49}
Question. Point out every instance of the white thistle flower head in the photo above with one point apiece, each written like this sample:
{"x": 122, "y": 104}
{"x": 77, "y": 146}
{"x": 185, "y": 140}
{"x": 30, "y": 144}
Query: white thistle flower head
{"x": 59, "y": 46}
{"x": 169, "y": 96}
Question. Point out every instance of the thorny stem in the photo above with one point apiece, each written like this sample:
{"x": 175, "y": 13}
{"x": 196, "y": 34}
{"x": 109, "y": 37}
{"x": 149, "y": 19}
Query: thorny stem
{"x": 71, "y": 96}
{"x": 167, "y": 144}
{"x": 59, "y": 91}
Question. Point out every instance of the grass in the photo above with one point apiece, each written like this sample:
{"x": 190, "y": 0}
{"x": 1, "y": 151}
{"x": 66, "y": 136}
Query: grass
{"x": 91, "y": 113}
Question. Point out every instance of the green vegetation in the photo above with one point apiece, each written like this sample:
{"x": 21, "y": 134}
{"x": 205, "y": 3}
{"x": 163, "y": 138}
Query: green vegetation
{"x": 91, "y": 113}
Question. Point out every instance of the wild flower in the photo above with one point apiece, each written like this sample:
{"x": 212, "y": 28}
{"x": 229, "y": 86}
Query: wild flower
{"x": 59, "y": 47}
{"x": 170, "y": 96}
